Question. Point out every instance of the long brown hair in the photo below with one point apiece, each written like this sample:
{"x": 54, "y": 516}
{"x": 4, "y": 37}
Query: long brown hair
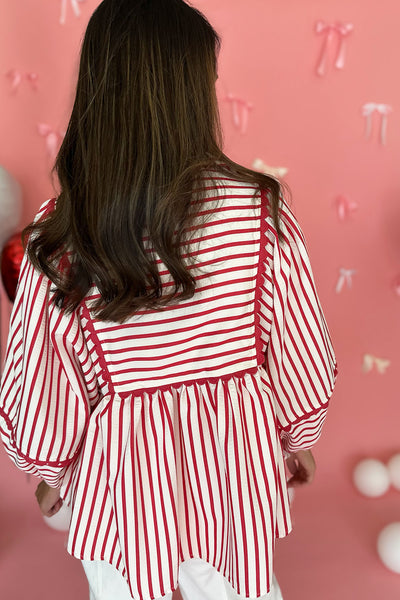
{"x": 144, "y": 126}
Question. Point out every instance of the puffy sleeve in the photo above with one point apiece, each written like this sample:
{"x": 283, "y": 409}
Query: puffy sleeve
{"x": 48, "y": 382}
{"x": 299, "y": 357}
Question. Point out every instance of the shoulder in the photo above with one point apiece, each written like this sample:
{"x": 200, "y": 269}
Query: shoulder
{"x": 45, "y": 209}
{"x": 223, "y": 184}
{"x": 289, "y": 223}
{"x": 292, "y": 234}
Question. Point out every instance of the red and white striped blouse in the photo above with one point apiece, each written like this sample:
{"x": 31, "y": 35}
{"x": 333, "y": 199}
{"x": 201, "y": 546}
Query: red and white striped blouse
{"x": 166, "y": 434}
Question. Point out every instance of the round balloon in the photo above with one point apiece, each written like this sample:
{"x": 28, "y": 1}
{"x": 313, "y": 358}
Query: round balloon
{"x": 389, "y": 546}
{"x": 10, "y": 205}
{"x": 11, "y": 259}
{"x": 371, "y": 478}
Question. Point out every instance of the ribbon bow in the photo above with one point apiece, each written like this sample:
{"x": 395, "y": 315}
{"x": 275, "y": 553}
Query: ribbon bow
{"x": 345, "y": 277}
{"x": 16, "y": 77}
{"x": 345, "y": 207}
{"x": 52, "y": 139}
{"x": 279, "y": 172}
{"x": 240, "y": 112}
{"x": 370, "y": 362}
{"x": 75, "y": 8}
{"x": 384, "y": 110}
{"x": 341, "y": 30}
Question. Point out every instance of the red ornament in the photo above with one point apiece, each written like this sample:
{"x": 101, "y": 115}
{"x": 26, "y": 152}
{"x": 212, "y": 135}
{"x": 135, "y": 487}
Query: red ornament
{"x": 11, "y": 259}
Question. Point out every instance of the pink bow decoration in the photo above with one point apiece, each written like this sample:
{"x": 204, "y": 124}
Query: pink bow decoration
{"x": 240, "y": 112}
{"x": 15, "y": 76}
{"x": 381, "y": 364}
{"x": 345, "y": 277}
{"x": 279, "y": 172}
{"x": 345, "y": 207}
{"x": 32, "y": 78}
{"x": 52, "y": 139}
{"x": 384, "y": 110}
{"x": 330, "y": 31}
{"x": 75, "y": 8}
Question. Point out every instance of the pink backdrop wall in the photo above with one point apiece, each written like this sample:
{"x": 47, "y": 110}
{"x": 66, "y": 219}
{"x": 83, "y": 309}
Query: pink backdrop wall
{"x": 311, "y": 124}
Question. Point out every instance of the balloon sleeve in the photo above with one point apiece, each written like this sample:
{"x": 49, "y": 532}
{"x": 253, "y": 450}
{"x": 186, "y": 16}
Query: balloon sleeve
{"x": 45, "y": 398}
{"x": 299, "y": 357}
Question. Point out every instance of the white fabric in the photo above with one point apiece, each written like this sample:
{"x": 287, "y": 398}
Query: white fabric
{"x": 197, "y": 581}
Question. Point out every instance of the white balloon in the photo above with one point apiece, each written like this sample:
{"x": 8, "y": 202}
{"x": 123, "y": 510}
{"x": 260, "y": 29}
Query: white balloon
{"x": 61, "y": 520}
{"x": 393, "y": 467}
{"x": 388, "y": 546}
{"x": 10, "y": 205}
{"x": 371, "y": 478}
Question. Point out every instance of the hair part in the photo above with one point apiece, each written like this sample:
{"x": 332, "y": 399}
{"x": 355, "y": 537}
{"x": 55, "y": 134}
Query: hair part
{"x": 144, "y": 126}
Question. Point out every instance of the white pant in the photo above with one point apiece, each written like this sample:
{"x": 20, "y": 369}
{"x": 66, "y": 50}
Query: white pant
{"x": 197, "y": 581}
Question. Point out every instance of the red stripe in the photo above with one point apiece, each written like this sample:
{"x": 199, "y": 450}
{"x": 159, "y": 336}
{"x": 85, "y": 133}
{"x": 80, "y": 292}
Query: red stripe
{"x": 318, "y": 319}
{"x": 222, "y": 331}
{"x": 202, "y": 492}
{"x": 192, "y": 372}
{"x": 132, "y": 337}
{"x": 85, "y": 496}
{"x": 188, "y": 484}
{"x": 234, "y": 549}
{"x": 224, "y": 233}
{"x": 142, "y": 516}
{"x": 171, "y": 320}
{"x": 195, "y": 348}
{"x": 188, "y": 477}
{"x": 55, "y": 430}
{"x": 181, "y": 480}
{"x": 150, "y": 468}
{"x": 166, "y": 419}
{"x": 106, "y": 532}
{"x": 212, "y": 431}
{"x": 99, "y": 520}
{"x": 39, "y": 356}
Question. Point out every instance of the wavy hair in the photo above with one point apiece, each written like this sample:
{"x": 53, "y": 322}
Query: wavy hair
{"x": 144, "y": 126}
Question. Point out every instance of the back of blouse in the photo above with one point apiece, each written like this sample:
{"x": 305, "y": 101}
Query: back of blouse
{"x": 217, "y": 332}
{"x": 166, "y": 432}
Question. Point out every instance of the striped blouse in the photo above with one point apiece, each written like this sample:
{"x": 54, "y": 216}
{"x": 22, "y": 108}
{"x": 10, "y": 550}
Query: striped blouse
{"x": 167, "y": 433}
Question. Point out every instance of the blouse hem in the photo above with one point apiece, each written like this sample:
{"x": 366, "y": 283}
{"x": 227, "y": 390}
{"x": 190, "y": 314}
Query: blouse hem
{"x": 261, "y": 593}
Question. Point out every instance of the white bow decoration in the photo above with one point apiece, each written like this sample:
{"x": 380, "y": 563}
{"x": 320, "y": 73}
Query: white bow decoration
{"x": 279, "y": 172}
{"x": 384, "y": 110}
{"x": 74, "y": 6}
{"x": 381, "y": 364}
{"x": 52, "y": 139}
{"x": 240, "y": 112}
{"x": 345, "y": 277}
{"x": 340, "y": 30}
